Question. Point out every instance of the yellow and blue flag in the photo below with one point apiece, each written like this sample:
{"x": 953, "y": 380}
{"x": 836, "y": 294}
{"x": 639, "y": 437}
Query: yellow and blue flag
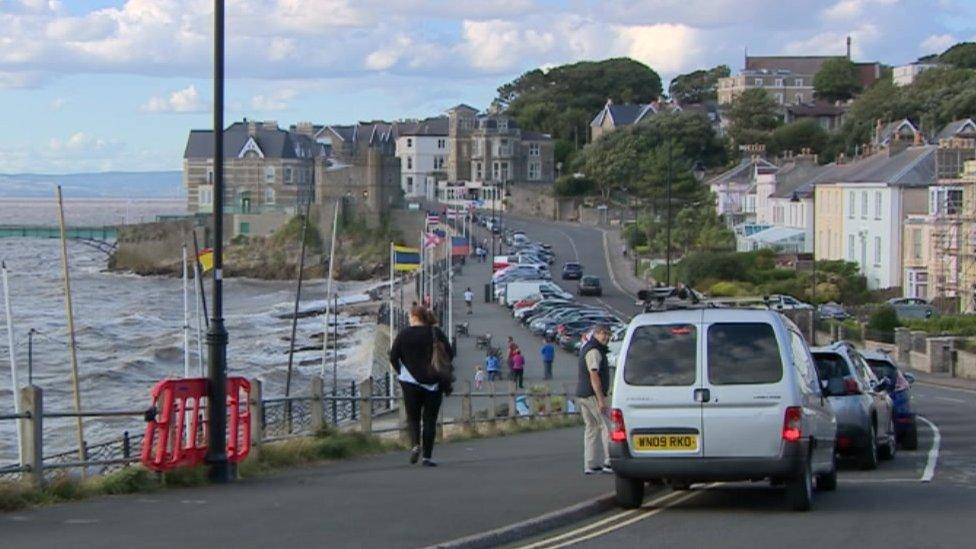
{"x": 406, "y": 258}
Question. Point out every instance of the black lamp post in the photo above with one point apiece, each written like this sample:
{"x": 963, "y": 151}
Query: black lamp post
{"x": 220, "y": 470}
{"x": 667, "y": 198}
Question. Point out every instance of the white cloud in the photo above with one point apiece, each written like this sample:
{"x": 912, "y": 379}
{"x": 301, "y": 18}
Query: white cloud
{"x": 58, "y": 103}
{"x": 850, "y": 9}
{"x": 937, "y": 43}
{"x": 186, "y": 100}
{"x": 667, "y": 48}
{"x": 863, "y": 38}
{"x": 274, "y": 101}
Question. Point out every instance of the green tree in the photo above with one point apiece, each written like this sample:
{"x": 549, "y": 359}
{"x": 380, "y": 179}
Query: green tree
{"x": 962, "y": 55}
{"x": 635, "y": 158}
{"x": 561, "y": 101}
{"x": 698, "y": 86}
{"x": 836, "y": 80}
{"x": 752, "y": 116}
{"x": 804, "y": 133}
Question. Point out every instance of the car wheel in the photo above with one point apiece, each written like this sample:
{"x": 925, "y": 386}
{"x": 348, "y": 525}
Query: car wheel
{"x": 630, "y": 492}
{"x": 827, "y": 482}
{"x": 799, "y": 490}
{"x": 889, "y": 450}
{"x": 869, "y": 456}
{"x": 910, "y": 440}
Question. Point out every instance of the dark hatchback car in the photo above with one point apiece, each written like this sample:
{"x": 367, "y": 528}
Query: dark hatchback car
{"x": 900, "y": 390}
{"x": 590, "y": 285}
{"x": 572, "y": 271}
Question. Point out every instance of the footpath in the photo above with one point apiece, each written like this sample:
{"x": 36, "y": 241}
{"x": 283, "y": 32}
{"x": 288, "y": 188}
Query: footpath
{"x": 379, "y": 501}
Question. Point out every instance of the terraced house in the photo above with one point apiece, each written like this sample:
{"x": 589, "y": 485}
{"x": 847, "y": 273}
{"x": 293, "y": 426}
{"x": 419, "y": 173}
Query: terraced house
{"x": 266, "y": 170}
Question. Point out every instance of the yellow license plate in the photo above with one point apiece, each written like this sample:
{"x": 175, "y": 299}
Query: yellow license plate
{"x": 666, "y": 442}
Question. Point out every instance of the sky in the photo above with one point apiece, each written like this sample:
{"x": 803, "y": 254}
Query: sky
{"x": 110, "y": 85}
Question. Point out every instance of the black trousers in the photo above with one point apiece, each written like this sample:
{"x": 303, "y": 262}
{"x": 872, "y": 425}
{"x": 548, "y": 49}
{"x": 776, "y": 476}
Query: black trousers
{"x": 422, "y": 406}
{"x": 517, "y": 377}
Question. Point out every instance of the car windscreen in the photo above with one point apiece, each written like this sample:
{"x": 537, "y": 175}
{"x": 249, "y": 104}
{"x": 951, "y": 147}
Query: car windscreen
{"x": 833, "y": 371}
{"x": 884, "y": 369}
{"x": 663, "y": 355}
{"x": 743, "y": 353}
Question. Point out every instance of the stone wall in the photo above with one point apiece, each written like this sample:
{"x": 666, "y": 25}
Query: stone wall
{"x": 965, "y": 365}
{"x": 532, "y": 200}
{"x": 153, "y": 248}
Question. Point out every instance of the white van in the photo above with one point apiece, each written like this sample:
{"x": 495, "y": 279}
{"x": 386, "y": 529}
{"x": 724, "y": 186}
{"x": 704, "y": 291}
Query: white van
{"x": 522, "y": 289}
{"x": 713, "y": 394}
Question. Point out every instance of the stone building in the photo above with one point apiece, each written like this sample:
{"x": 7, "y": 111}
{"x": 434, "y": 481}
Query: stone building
{"x": 361, "y": 171}
{"x": 491, "y": 148}
{"x": 266, "y": 170}
{"x": 787, "y": 79}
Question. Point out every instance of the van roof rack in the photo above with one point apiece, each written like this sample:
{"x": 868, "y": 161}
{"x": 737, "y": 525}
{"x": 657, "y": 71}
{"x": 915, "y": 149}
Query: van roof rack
{"x": 681, "y": 297}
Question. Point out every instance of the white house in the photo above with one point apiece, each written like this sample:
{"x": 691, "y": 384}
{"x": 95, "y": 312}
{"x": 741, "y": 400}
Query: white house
{"x": 905, "y": 74}
{"x": 423, "y": 149}
{"x": 737, "y": 190}
{"x": 879, "y": 192}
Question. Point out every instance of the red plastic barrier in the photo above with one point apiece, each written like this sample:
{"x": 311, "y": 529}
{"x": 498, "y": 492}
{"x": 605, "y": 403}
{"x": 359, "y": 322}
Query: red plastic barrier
{"x": 168, "y": 443}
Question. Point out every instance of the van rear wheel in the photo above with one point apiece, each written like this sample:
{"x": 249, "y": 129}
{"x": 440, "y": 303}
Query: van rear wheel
{"x": 799, "y": 490}
{"x": 630, "y": 492}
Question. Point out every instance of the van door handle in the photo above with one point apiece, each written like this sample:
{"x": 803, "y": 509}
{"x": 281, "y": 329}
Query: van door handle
{"x": 702, "y": 395}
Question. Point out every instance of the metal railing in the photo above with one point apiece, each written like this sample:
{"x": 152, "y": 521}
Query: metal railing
{"x": 281, "y": 418}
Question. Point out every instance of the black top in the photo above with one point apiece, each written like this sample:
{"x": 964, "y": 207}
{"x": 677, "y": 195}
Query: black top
{"x": 414, "y": 348}
{"x": 584, "y": 388}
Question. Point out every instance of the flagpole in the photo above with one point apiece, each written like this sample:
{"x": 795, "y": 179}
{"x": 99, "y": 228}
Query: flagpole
{"x": 72, "y": 342}
{"x": 186, "y": 317}
{"x": 328, "y": 289}
{"x": 15, "y": 386}
{"x": 450, "y": 288}
{"x": 196, "y": 271}
{"x": 390, "y": 299}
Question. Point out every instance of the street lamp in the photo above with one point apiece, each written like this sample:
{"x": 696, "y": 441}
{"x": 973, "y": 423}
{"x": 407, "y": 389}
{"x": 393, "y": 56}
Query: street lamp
{"x": 220, "y": 470}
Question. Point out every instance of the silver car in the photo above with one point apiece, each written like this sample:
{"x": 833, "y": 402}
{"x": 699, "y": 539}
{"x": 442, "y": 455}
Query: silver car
{"x": 865, "y": 424}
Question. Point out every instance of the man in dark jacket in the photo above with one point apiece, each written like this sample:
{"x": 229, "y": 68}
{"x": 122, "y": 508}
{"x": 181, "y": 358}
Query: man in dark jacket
{"x": 591, "y": 390}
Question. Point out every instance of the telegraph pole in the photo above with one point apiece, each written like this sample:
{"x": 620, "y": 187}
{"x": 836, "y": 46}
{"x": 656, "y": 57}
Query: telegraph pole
{"x": 220, "y": 470}
{"x": 667, "y": 198}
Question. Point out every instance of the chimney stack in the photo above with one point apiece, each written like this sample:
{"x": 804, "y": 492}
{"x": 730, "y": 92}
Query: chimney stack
{"x": 848, "y": 47}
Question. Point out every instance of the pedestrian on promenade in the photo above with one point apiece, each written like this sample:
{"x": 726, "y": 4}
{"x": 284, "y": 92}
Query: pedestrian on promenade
{"x": 469, "y": 299}
{"x": 479, "y": 378}
{"x": 591, "y": 388}
{"x": 512, "y": 347}
{"x": 548, "y": 355}
{"x": 493, "y": 366}
{"x": 518, "y": 367}
{"x": 412, "y": 357}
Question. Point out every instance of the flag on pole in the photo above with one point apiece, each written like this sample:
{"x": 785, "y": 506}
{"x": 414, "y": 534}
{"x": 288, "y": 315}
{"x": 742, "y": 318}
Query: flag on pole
{"x": 459, "y": 246}
{"x": 433, "y": 218}
{"x": 406, "y": 258}
{"x": 206, "y": 259}
{"x": 431, "y": 240}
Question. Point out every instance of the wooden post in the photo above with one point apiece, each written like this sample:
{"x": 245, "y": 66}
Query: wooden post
{"x": 318, "y": 419}
{"x": 256, "y": 406}
{"x": 492, "y": 406}
{"x": 72, "y": 342}
{"x": 366, "y": 406}
{"x": 546, "y": 404}
{"x": 467, "y": 414}
{"x": 512, "y": 412}
{"x": 32, "y": 441}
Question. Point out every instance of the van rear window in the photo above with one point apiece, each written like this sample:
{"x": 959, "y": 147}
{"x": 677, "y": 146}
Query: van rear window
{"x": 662, "y": 355}
{"x": 743, "y": 353}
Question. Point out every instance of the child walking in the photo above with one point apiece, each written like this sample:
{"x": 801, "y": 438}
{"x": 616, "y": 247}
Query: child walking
{"x": 479, "y": 378}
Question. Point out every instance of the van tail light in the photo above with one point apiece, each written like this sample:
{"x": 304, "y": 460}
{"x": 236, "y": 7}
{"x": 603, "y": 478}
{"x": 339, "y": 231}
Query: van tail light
{"x": 619, "y": 433}
{"x": 850, "y": 386}
{"x": 792, "y": 422}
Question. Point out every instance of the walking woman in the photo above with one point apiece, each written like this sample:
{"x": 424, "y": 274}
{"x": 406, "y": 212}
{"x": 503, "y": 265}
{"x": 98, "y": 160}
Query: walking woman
{"x": 423, "y": 386}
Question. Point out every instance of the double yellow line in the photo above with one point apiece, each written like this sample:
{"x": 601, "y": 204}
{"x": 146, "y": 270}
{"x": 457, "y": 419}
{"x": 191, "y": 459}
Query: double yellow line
{"x": 614, "y": 522}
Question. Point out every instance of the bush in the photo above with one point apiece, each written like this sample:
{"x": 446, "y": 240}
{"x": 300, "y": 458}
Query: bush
{"x": 730, "y": 289}
{"x": 634, "y": 236}
{"x": 570, "y": 185}
{"x": 963, "y": 325}
{"x": 884, "y": 319}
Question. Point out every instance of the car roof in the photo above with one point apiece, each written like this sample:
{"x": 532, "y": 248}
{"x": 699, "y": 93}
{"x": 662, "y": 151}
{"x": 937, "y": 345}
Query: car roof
{"x": 694, "y": 316}
{"x": 878, "y": 355}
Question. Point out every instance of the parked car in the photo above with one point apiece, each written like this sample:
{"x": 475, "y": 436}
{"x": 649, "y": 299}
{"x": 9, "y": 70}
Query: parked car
{"x": 900, "y": 390}
{"x": 865, "y": 424}
{"x": 912, "y": 308}
{"x": 832, "y": 311}
{"x": 572, "y": 271}
{"x": 782, "y": 302}
{"x": 589, "y": 285}
{"x": 719, "y": 395}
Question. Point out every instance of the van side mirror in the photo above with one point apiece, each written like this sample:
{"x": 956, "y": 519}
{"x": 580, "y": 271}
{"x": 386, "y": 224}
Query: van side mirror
{"x": 909, "y": 377}
{"x": 643, "y": 295}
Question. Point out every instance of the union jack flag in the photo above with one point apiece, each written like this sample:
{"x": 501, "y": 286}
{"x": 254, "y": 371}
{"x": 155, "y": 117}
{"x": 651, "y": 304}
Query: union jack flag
{"x": 431, "y": 240}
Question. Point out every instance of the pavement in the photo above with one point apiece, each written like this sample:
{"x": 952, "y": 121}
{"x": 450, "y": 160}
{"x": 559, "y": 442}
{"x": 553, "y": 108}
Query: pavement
{"x": 378, "y": 501}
